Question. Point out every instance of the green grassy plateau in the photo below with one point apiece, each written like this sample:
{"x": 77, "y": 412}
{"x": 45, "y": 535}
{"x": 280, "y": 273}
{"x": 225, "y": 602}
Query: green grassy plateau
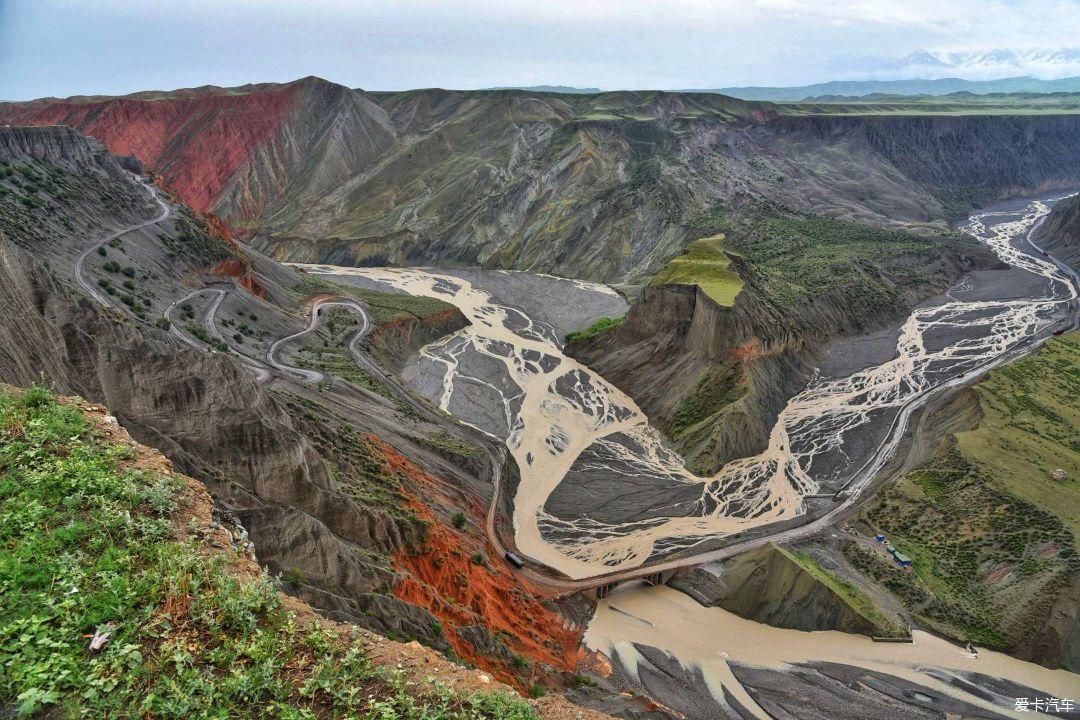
{"x": 706, "y": 265}
{"x": 954, "y": 104}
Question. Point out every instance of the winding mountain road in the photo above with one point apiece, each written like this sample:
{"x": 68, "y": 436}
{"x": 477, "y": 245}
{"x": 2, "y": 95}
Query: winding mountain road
{"x": 262, "y": 373}
{"x": 314, "y": 376}
{"x": 80, "y": 262}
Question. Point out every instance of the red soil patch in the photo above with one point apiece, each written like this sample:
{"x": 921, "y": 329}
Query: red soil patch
{"x": 999, "y": 574}
{"x": 238, "y": 267}
{"x": 752, "y": 351}
{"x": 444, "y": 579}
{"x": 196, "y": 143}
{"x": 242, "y": 272}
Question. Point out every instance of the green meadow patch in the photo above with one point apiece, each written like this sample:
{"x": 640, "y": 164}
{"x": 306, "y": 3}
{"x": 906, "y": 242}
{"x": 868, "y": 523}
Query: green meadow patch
{"x": 705, "y": 264}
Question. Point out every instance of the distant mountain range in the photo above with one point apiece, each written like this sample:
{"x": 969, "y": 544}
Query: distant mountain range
{"x": 565, "y": 89}
{"x": 862, "y": 88}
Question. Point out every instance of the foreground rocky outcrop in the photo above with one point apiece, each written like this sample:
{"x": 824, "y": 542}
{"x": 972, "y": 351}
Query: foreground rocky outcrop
{"x": 177, "y": 578}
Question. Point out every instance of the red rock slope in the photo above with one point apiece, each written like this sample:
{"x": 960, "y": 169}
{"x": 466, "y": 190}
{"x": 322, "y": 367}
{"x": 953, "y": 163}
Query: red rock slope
{"x": 230, "y": 152}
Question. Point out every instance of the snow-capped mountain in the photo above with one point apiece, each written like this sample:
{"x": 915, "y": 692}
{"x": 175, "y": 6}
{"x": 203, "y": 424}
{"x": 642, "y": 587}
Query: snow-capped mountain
{"x": 1044, "y": 63}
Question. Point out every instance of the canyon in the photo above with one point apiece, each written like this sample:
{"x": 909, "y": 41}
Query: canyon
{"x": 604, "y": 187}
{"x": 399, "y": 334}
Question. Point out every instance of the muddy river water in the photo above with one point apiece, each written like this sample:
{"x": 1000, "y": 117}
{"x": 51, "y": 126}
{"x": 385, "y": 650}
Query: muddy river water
{"x": 506, "y": 375}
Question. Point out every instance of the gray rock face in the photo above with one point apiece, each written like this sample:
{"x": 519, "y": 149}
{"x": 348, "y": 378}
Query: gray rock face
{"x": 58, "y": 146}
{"x": 766, "y": 586}
{"x": 1060, "y": 235}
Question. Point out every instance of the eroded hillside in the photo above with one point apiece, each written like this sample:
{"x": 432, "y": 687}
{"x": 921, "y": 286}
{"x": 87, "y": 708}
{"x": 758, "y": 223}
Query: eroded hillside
{"x": 108, "y": 548}
{"x": 227, "y": 362}
{"x": 605, "y": 187}
{"x": 1061, "y": 233}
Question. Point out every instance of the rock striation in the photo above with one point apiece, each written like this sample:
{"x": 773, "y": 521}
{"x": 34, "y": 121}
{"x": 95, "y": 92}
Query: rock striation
{"x": 1060, "y": 235}
{"x": 602, "y": 187}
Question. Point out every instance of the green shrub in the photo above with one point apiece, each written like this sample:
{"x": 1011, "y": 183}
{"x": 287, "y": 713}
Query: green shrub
{"x": 600, "y": 326}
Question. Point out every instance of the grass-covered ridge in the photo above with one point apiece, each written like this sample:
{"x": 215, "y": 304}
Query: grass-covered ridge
{"x": 705, "y": 264}
{"x": 600, "y": 326}
{"x": 1031, "y": 428}
{"x": 92, "y": 540}
{"x": 796, "y": 258}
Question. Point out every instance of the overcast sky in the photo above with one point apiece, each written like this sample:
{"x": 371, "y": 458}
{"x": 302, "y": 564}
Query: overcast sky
{"x": 67, "y": 47}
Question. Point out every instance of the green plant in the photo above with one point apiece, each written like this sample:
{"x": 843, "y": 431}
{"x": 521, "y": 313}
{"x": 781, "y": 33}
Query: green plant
{"x": 458, "y": 520}
{"x": 598, "y": 327}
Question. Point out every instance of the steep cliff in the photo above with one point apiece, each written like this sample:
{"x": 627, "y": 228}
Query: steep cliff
{"x": 605, "y": 187}
{"x": 786, "y": 589}
{"x": 1060, "y": 234}
{"x": 713, "y": 377}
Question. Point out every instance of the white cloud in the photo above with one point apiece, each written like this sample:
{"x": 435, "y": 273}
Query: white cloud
{"x": 73, "y": 46}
